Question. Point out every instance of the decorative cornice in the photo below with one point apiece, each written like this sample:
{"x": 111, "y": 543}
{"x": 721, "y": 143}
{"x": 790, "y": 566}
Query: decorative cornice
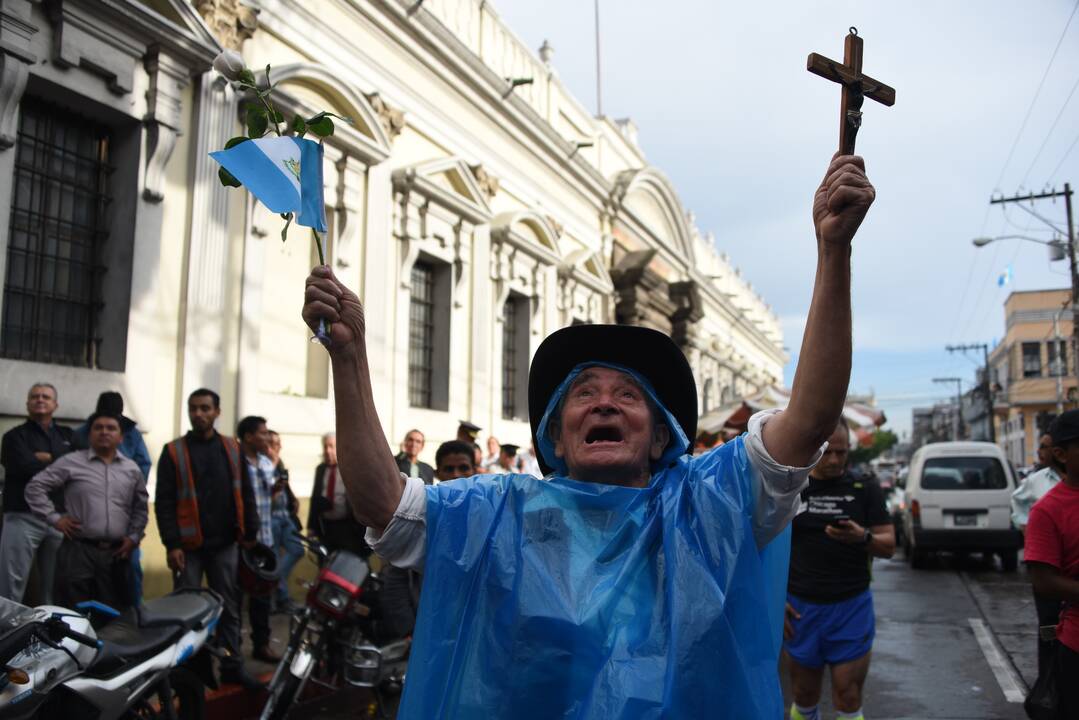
{"x": 391, "y": 119}
{"x": 229, "y": 21}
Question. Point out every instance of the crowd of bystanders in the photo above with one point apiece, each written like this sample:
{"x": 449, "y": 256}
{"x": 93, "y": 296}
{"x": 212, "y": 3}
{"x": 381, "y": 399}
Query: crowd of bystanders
{"x": 76, "y": 508}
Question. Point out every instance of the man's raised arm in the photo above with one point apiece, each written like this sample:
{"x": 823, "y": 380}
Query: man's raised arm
{"x": 823, "y": 374}
{"x": 371, "y": 478}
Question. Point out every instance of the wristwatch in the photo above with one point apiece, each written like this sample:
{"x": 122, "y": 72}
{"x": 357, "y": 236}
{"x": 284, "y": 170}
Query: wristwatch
{"x": 867, "y": 537}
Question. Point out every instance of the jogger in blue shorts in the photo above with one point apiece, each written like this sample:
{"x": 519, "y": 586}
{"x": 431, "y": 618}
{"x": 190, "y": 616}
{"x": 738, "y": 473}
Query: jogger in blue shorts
{"x": 830, "y": 620}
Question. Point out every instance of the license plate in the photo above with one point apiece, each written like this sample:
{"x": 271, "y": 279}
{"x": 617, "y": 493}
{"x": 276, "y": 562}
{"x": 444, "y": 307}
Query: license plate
{"x": 966, "y": 520}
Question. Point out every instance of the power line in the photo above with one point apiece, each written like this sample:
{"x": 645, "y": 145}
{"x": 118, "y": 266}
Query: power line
{"x": 1062, "y": 159}
{"x": 1041, "y": 84}
{"x": 1049, "y": 134}
{"x": 970, "y": 275}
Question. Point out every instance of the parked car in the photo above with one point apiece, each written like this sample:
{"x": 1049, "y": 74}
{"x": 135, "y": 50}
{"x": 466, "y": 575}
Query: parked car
{"x": 958, "y": 499}
{"x": 896, "y": 503}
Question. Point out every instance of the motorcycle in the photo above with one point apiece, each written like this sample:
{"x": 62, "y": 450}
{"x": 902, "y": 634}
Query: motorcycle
{"x": 147, "y": 662}
{"x": 332, "y": 636}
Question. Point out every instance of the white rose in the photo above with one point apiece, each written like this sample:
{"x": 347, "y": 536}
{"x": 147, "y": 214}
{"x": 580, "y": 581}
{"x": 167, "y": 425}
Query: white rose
{"x": 230, "y": 64}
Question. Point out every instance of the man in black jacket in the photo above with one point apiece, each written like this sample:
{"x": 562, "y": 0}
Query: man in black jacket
{"x": 204, "y": 506}
{"x": 25, "y": 451}
{"x": 408, "y": 460}
{"x": 330, "y": 517}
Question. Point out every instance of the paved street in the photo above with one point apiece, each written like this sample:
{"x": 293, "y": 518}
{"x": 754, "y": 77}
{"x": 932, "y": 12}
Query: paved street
{"x": 927, "y": 660}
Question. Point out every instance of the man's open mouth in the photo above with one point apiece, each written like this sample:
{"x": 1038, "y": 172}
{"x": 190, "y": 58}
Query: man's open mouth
{"x": 603, "y": 435}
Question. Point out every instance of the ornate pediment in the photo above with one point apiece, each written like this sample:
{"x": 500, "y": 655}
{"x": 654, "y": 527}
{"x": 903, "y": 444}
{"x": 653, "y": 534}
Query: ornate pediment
{"x": 528, "y": 231}
{"x": 310, "y": 88}
{"x": 448, "y": 182}
{"x": 645, "y": 201}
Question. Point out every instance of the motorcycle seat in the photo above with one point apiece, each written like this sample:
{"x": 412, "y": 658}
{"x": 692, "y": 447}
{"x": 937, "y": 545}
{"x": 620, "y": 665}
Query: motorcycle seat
{"x": 189, "y": 609}
{"x": 126, "y": 643}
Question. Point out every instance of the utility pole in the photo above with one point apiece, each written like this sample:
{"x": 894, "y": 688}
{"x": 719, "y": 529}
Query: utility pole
{"x": 958, "y": 402}
{"x": 1067, "y": 195}
{"x": 986, "y": 386}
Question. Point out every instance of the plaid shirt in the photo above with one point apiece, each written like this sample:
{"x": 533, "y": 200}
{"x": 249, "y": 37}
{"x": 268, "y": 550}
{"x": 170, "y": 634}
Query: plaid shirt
{"x": 262, "y": 479}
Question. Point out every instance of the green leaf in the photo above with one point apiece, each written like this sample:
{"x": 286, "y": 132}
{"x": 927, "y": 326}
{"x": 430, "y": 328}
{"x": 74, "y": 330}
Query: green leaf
{"x": 246, "y": 77}
{"x": 299, "y": 126}
{"x": 236, "y": 141}
{"x": 315, "y": 118}
{"x": 322, "y": 127}
{"x": 278, "y": 116}
{"x": 257, "y": 122}
{"x": 284, "y": 230}
{"x": 228, "y": 179}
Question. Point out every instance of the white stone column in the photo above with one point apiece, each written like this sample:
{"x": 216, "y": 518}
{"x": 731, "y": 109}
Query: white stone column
{"x": 379, "y": 288}
{"x": 204, "y": 316}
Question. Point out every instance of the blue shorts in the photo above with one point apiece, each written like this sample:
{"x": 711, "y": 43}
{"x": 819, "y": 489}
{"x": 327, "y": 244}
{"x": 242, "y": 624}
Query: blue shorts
{"x": 831, "y": 634}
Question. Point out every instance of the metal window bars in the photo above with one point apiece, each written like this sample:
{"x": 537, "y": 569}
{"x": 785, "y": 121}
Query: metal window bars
{"x": 421, "y": 331}
{"x": 52, "y": 288}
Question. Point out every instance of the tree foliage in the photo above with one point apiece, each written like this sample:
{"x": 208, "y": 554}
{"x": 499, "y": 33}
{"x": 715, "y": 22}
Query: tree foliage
{"x": 882, "y": 441}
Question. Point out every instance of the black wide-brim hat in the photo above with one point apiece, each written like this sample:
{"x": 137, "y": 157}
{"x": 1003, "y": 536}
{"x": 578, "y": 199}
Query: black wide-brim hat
{"x": 649, "y": 352}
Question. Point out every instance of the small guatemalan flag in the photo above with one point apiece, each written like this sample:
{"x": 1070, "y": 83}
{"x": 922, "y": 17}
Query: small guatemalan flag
{"x": 284, "y": 173}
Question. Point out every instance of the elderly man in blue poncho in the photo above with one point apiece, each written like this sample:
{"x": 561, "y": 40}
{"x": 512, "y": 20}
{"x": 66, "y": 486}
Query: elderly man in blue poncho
{"x": 634, "y": 581}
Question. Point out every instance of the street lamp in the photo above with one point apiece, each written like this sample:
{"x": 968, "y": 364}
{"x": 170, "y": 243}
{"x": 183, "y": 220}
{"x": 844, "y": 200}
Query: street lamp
{"x": 1057, "y": 247}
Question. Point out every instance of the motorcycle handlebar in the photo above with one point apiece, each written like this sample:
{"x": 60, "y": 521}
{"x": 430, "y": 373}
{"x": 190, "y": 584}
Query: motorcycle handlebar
{"x": 78, "y": 637}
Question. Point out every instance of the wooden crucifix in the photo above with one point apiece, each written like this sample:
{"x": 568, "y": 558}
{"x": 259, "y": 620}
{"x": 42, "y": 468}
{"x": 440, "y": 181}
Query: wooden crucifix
{"x": 856, "y": 87}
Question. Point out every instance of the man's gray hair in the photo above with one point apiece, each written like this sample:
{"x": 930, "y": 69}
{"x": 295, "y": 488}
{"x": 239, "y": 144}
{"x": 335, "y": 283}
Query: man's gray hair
{"x": 328, "y": 435}
{"x": 55, "y": 392}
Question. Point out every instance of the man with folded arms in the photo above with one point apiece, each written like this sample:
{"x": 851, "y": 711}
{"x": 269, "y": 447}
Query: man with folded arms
{"x": 106, "y": 512}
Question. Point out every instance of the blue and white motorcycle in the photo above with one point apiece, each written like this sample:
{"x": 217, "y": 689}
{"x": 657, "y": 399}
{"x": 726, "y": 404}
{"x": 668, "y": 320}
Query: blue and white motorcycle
{"x": 144, "y": 663}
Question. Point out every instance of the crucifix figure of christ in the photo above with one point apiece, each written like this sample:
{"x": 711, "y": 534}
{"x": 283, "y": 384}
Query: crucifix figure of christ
{"x": 856, "y": 87}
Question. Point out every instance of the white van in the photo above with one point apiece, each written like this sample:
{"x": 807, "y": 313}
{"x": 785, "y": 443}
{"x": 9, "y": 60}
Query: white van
{"x": 959, "y": 499}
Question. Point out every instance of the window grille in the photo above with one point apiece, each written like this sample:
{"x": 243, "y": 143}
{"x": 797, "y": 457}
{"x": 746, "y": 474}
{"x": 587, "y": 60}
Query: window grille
{"x": 509, "y": 359}
{"x": 52, "y": 293}
{"x": 421, "y": 328}
{"x": 1032, "y": 360}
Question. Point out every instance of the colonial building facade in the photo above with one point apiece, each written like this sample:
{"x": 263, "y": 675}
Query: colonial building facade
{"x": 1032, "y": 370}
{"x": 474, "y": 205}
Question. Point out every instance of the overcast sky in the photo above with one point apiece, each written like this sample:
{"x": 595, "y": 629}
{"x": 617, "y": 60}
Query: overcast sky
{"x": 726, "y": 108}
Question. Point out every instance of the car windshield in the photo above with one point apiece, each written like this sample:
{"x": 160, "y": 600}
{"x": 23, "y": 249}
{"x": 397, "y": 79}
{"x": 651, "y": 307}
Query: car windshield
{"x": 963, "y": 473}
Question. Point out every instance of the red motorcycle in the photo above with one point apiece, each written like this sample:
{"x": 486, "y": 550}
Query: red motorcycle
{"x": 332, "y": 638}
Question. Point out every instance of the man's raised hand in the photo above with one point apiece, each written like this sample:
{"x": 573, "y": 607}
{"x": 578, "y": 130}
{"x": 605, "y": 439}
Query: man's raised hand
{"x": 842, "y": 200}
{"x": 327, "y": 299}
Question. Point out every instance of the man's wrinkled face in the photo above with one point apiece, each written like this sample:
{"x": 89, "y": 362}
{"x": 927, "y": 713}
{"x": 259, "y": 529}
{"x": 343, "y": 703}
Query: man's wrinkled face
{"x": 202, "y": 413}
{"x": 105, "y": 435}
{"x": 41, "y": 402}
{"x": 329, "y": 450}
{"x": 833, "y": 464}
{"x": 607, "y": 427}
{"x": 453, "y": 466}
{"x": 413, "y": 444}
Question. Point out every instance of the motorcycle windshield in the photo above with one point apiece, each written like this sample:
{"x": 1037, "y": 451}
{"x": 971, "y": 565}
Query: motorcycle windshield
{"x": 13, "y": 615}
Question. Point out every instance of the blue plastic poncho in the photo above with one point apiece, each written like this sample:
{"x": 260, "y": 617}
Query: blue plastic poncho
{"x": 554, "y": 598}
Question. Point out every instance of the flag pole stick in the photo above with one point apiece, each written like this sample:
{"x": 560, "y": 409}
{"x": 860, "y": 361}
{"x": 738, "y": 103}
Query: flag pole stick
{"x": 323, "y": 334}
